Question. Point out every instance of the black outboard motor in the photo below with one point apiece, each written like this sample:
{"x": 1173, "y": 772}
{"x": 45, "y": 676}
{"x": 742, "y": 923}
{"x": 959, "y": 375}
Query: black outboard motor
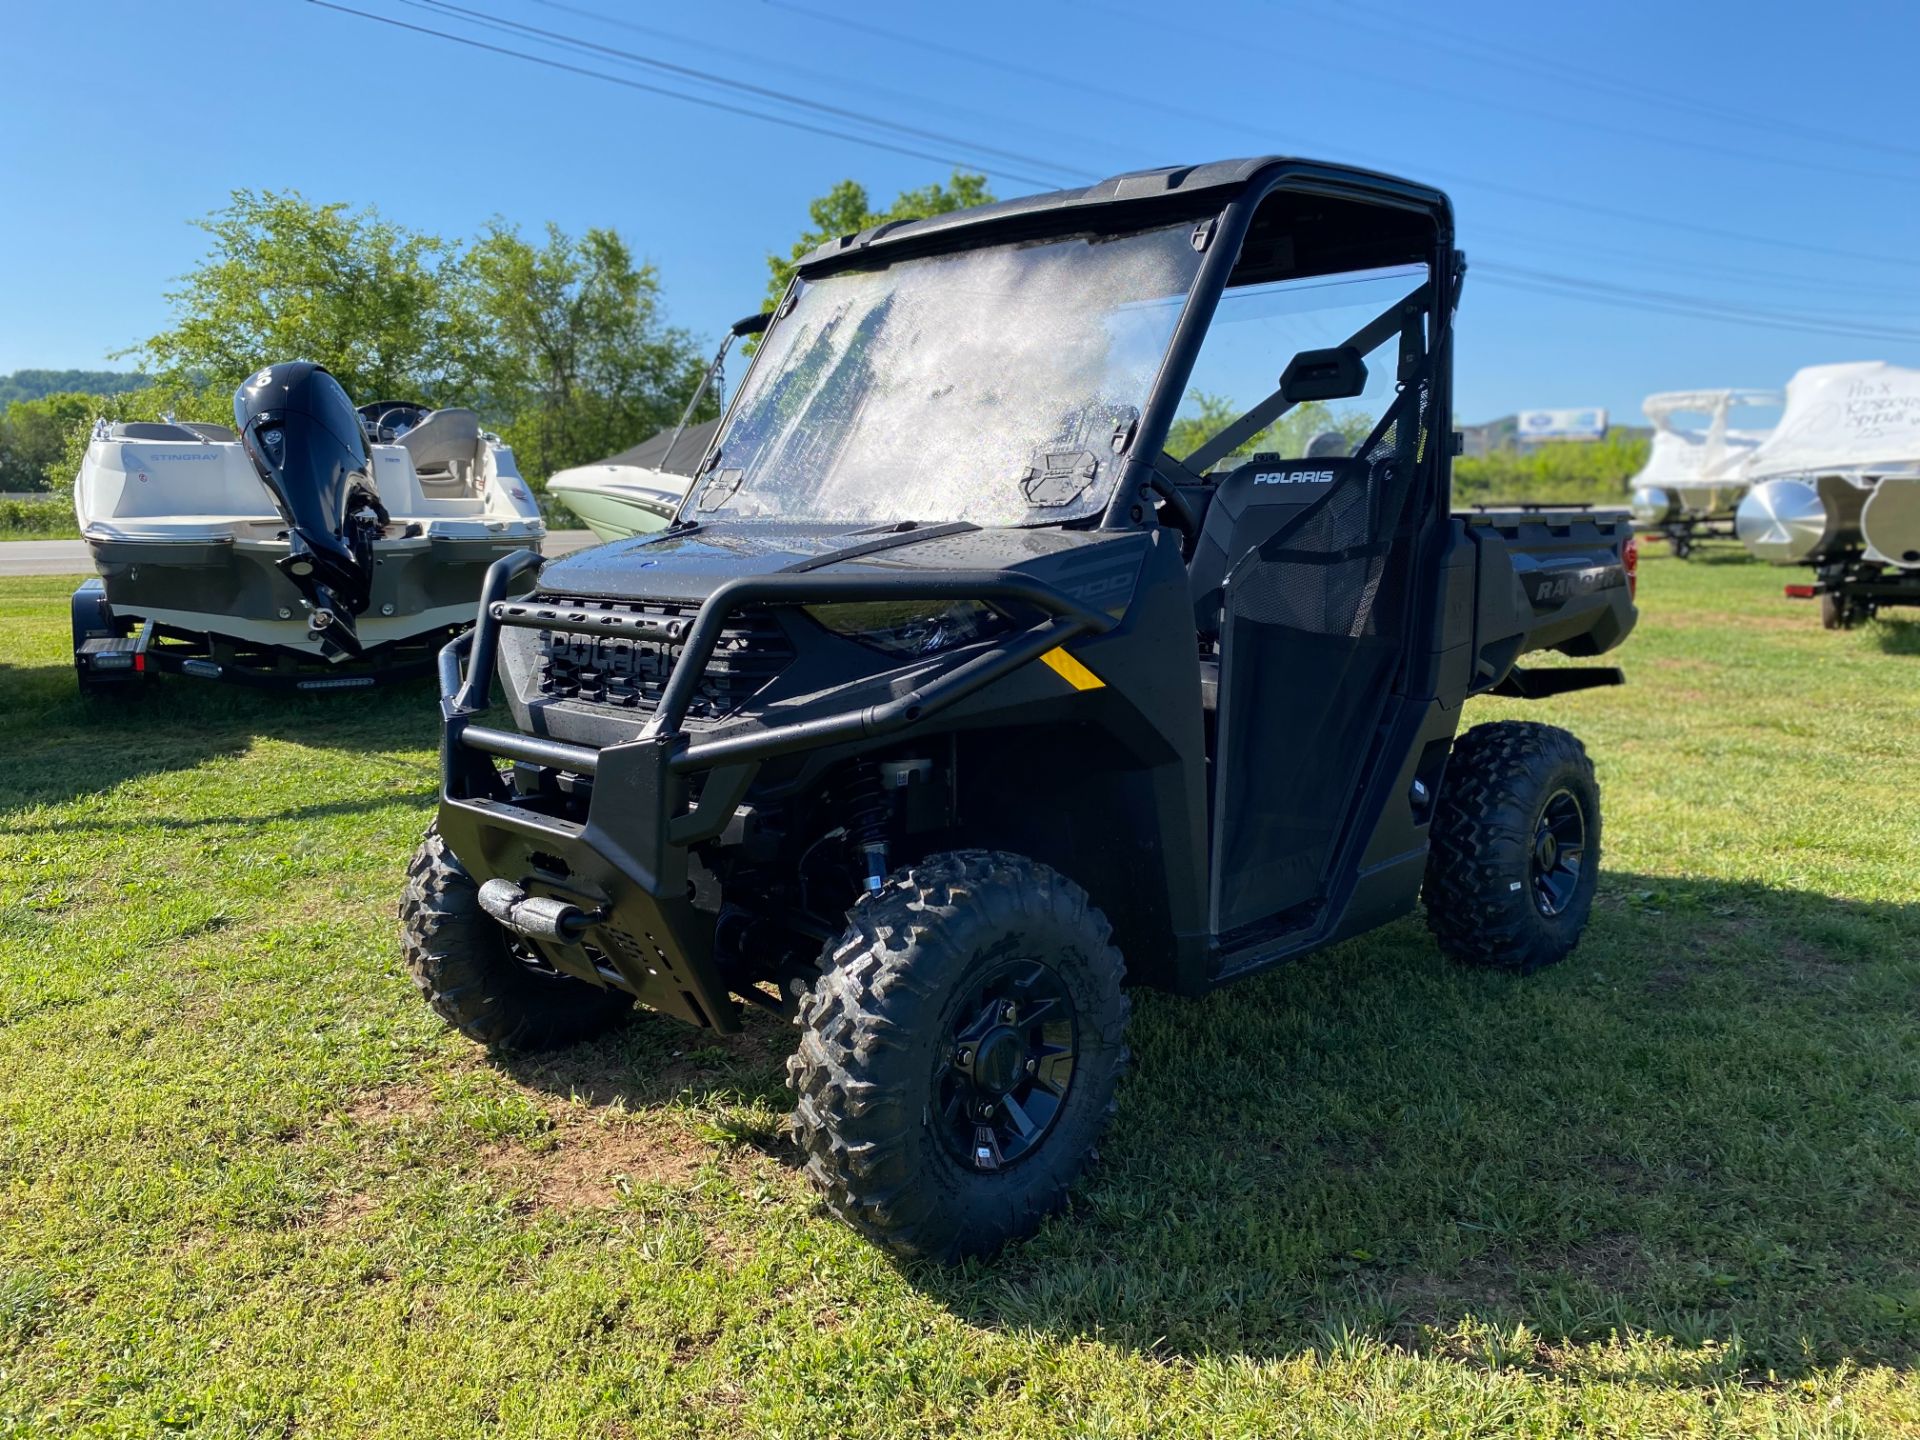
{"x": 304, "y": 437}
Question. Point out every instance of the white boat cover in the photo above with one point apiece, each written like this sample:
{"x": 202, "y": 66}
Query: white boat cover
{"x": 1861, "y": 418}
{"x": 1684, "y": 456}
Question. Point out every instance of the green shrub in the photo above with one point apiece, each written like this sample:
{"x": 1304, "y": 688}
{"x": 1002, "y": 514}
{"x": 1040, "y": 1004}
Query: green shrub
{"x": 51, "y": 517}
{"x": 1573, "y": 473}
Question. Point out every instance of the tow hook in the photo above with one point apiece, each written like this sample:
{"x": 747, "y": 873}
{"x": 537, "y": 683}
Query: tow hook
{"x": 538, "y": 917}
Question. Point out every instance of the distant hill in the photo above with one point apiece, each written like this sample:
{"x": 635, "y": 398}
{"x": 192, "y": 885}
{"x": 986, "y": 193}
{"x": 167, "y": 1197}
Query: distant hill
{"x": 32, "y": 384}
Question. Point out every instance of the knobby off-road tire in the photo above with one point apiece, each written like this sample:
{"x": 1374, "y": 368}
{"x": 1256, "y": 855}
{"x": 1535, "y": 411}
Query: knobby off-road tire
{"x": 1490, "y": 900}
{"x": 875, "y": 1074}
{"x": 459, "y": 957}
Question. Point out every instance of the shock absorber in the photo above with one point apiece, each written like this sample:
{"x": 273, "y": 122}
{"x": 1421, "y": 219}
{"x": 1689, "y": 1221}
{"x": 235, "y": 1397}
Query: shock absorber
{"x": 867, "y": 813}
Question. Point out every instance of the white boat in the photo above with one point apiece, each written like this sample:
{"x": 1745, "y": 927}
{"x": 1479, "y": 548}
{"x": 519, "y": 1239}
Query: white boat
{"x": 252, "y": 556}
{"x": 637, "y": 491}
{"x": 1841, "y": 471}
{"x": 1696, "y": 473}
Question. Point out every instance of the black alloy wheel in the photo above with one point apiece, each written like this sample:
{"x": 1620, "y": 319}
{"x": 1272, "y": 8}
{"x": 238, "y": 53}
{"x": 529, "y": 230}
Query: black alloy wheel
{"x": 1006, "y": 1065}
{"x": 1559, "y": 849}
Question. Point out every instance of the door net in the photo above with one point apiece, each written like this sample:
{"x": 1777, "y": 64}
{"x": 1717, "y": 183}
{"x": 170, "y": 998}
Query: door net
{"x": 1314, "y": 627}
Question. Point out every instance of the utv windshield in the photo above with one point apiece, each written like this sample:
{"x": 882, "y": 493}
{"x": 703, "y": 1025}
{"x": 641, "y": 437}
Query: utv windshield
{"x": 986, "y": 385}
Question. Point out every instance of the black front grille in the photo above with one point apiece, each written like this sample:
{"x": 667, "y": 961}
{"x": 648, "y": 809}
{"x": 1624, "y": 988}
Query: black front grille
{"x": 629, "y": 670}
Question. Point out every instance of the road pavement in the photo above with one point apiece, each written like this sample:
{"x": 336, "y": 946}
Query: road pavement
{"x": 69, "y": 557}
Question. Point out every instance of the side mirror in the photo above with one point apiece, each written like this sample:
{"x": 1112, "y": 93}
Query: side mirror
{"x": 752, "y": 325}
{"x": 1334, "y": 374}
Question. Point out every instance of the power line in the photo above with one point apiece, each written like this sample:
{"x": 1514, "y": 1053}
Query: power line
{"x": 1711, "y": 270}
{"x": 1634, "y": 259}
{"x": 1526, "y": 62}
{"x": 1403, "y": 81}
{"x": 1519, "y": 277}
{"x": 707, "y": 77}
{"x": 1383, "y": 162}
{"x": 974, "y": 57}
{"x": 788, "y": 69}
{"x": 1666, "y": 302}
{"x": 701, "y": 100}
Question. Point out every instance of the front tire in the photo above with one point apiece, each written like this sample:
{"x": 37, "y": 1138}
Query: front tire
{"x": 1514, "y": 851}
{"x": 959, "y": 1054}
{"x": 465, "y": 965}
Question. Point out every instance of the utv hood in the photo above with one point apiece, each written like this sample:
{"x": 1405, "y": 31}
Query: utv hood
{"x": 689, "y": 565}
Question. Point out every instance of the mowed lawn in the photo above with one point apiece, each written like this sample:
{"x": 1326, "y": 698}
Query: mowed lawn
{"x": 250, "y": 1186}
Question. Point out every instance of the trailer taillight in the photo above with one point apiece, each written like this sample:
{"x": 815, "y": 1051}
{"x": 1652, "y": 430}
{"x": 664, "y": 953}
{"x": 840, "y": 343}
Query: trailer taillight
{"x": 1630, "y": 557}
{"x": 1799, "y": 592}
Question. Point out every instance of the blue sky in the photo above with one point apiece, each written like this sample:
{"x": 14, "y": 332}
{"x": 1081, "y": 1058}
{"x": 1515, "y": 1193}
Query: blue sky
{"x": 1764, "y": 136}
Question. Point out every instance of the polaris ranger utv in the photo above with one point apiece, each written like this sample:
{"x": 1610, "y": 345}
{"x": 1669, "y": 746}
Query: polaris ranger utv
{"x": 1011, "y": 626}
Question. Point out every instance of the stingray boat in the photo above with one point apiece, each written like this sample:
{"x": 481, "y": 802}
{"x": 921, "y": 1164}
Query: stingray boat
{"x": 313, "y": 545}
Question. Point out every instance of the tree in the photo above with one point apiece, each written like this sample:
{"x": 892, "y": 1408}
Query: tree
{"x": 34, "y": 439}
{"x": 577, "y": 357}
{"x": 38, "y": 384}
{"x": 561, "y": 346}
{"x": 846, "y": 209}
{"x": 287, "y": 279}
{"x": 1206, "y": 415}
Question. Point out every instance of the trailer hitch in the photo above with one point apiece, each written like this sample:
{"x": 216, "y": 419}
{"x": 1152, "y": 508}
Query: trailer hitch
{"x": 537, "y": 917}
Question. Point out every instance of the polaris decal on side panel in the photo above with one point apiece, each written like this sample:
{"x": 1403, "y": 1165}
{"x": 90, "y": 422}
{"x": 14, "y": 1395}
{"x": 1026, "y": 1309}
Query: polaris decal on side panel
{"x": 1294, "y": 477}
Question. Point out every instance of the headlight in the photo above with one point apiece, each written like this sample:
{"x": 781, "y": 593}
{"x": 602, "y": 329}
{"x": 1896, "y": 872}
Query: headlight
{"x": 911, "y": 627}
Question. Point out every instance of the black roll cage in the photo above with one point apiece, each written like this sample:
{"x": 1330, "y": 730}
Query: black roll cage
{"x": 467, "y": 665}
{"x": 1220, "y": 231}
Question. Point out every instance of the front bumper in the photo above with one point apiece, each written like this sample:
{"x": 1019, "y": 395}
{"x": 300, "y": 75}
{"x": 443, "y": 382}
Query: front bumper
{"x": 626, "y": 865}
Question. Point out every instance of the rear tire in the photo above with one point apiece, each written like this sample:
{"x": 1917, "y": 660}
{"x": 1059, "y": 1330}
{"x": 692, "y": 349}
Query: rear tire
{"x": 1515, "y": 848}
{"x": 461, "y": 960}
{"x": 959, "y": 1054}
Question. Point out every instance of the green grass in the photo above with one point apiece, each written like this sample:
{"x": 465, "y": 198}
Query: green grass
{"x": 55, "y": 532}
{"x": 249, "y": 1186}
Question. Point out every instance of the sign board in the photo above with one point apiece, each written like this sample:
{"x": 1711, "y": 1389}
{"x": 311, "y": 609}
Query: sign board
{"x": 1533, "y": 425}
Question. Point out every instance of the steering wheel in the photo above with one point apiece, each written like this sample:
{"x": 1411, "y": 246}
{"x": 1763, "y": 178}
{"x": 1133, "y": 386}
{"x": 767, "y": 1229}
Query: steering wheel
{"x": 390, "y": 419}
{"x": 1177, "y": 509}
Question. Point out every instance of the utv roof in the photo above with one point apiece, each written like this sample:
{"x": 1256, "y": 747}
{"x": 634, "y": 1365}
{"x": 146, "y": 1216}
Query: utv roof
{"x": 1170, "y": 188}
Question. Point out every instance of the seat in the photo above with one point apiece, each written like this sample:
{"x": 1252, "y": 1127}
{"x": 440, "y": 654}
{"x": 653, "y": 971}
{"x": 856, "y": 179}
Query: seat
{"x": 445, "y": 447}
{"x": 1250, "y": 505}
{"x": 154, "y": 430}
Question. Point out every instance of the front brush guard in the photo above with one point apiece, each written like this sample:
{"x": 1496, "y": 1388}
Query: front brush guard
{"x": 626, "y": 866}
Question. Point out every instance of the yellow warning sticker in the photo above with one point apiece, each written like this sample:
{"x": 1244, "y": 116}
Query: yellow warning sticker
{"x": 1071, "y": 670}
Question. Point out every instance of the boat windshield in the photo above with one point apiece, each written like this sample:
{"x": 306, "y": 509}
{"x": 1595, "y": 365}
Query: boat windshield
{"x": 987, "y": 385}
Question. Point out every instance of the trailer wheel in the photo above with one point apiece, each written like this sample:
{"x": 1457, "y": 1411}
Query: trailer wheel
{"x": 959, "y": 1054}
{"x": 475, "y": 974}
{"x": 1841, "y": 612}
{"x": 1515, "y": 847}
